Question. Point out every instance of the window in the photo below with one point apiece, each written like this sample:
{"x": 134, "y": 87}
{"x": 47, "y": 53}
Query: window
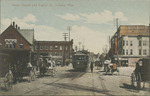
{"x": 46, "y": 47}
{"x": 127, "y": 52}
{"x": 66, "y": 47}
{"x": 56, "y": 54}
{"x": 51, "y": 47}
{"x": 70, "y": 47}
{"x": 21, "y": 46}
{"x": 123, "y": 42}
{"x": 56, "y": 47}
{"x": 0, "y": 45}
{"x": 131, "y": 51}
{"x": 60, "y": 53}
{"x": 60, "y": 47}
{"x": 131, "y": 43}
{"x": 126, "y": 43}
{"x": 144, "y": 52}
{"x": 41, "y": 47}
{"x": 36, "y": 47}
{"x": 144, "y": 43}
{"x": 140, "y": 52}
{"x": 10, "y": 43}
{"x": 123, "y": 52}
{"x": 140, "y": 43}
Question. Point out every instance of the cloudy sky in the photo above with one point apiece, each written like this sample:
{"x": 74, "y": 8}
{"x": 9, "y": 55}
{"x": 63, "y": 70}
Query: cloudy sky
{"x": 91, "y": 21}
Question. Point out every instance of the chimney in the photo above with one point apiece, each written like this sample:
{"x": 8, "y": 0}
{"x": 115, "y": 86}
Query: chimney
{"x": 13, "y": 24}
{"x": 16, "y": 26}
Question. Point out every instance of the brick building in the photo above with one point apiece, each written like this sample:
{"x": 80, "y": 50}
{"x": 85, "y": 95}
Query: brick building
{"x": 55, "y": 49}
{"x": 130, "y": 43}
{"x": 16, "y": 42}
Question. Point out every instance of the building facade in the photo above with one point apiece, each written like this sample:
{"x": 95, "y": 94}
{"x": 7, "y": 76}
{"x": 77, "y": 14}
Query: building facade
{"x": 56, "y": 49}
{"x": 17, "y": 42}
{"x": 130, "y": 43}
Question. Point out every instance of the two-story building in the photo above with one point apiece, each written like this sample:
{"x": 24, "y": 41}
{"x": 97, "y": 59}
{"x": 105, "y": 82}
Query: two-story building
{"x": 62, "y": 50}
{"x": 17, "y": 43}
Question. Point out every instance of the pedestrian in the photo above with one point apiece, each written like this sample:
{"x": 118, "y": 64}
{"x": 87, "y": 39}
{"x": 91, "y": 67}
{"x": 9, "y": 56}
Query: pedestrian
{"x": 91, "y": 66}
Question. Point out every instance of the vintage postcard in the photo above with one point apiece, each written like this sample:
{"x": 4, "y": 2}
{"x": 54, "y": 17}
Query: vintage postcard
{"x": 74, "y": 47}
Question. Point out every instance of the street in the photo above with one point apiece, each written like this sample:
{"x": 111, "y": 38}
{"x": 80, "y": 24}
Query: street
{"x": 72, "y": 82}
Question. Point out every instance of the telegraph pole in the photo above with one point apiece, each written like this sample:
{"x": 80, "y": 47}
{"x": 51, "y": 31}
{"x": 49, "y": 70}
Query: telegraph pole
{"x": 64, "y": 53}
{"x": 69, "y": 28}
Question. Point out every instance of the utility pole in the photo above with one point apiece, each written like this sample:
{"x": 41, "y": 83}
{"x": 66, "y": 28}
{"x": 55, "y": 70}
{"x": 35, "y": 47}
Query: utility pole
{"x": 117, "y": 42}
{"x": 64, "y": 51}
{"x": 69, "y": 28}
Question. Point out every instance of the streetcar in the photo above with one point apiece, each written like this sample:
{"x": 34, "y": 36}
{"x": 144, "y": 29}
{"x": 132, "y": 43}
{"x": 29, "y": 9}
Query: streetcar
{"x": 80, "y": 60}
{"x": 141, "y": 74}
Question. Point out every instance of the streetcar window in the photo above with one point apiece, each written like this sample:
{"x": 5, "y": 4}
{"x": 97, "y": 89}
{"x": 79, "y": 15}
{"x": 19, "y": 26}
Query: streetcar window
{"x": 80, "y": 58}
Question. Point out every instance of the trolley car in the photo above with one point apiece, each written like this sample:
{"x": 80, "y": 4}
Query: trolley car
{"x": 141, "y": 74}
{"x": 80, "y": 60}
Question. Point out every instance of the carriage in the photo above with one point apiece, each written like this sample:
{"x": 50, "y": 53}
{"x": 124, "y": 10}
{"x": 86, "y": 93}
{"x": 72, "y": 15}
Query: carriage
{"x": 24, "y": 68}
{"x": 110, "y": 67}
{"x": 141, "y": 74}
{"x": 47, "y": 66}
{"x": 80, "y": 60}
{"x": 6, "y": 77}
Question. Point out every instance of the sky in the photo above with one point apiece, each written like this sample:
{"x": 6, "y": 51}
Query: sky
{"x": 92, "y": 22}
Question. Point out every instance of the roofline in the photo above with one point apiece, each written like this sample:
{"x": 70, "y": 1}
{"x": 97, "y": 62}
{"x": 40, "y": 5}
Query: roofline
{"x": 16, "y": 31}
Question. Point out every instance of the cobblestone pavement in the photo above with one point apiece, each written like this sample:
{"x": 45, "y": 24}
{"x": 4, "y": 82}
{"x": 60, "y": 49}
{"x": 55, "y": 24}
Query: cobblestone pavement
{"x": 71, "y": 82}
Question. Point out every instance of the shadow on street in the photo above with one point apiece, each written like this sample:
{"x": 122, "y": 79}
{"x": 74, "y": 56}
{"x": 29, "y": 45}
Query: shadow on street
{"x": 77, "y": 87}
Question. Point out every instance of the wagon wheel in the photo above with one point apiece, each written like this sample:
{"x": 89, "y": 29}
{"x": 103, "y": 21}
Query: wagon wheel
{"x": 8, "y": 81}
{"x": 133, "y": 79}
{"x": 138, "y": 80}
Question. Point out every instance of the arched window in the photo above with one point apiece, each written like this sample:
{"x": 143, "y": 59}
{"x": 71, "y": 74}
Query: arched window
{"x": 21, "y": 46}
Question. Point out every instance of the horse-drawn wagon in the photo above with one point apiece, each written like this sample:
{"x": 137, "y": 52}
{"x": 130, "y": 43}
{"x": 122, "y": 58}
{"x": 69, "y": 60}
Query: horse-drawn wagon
{"x": 141, "y": 74}
{"x": 6, "y": 77}
{"x": 13, "y": 71}
{"x": 47, "y": 66}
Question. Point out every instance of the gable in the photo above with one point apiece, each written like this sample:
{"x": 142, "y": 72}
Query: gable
{"x": 12, "y": 33}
